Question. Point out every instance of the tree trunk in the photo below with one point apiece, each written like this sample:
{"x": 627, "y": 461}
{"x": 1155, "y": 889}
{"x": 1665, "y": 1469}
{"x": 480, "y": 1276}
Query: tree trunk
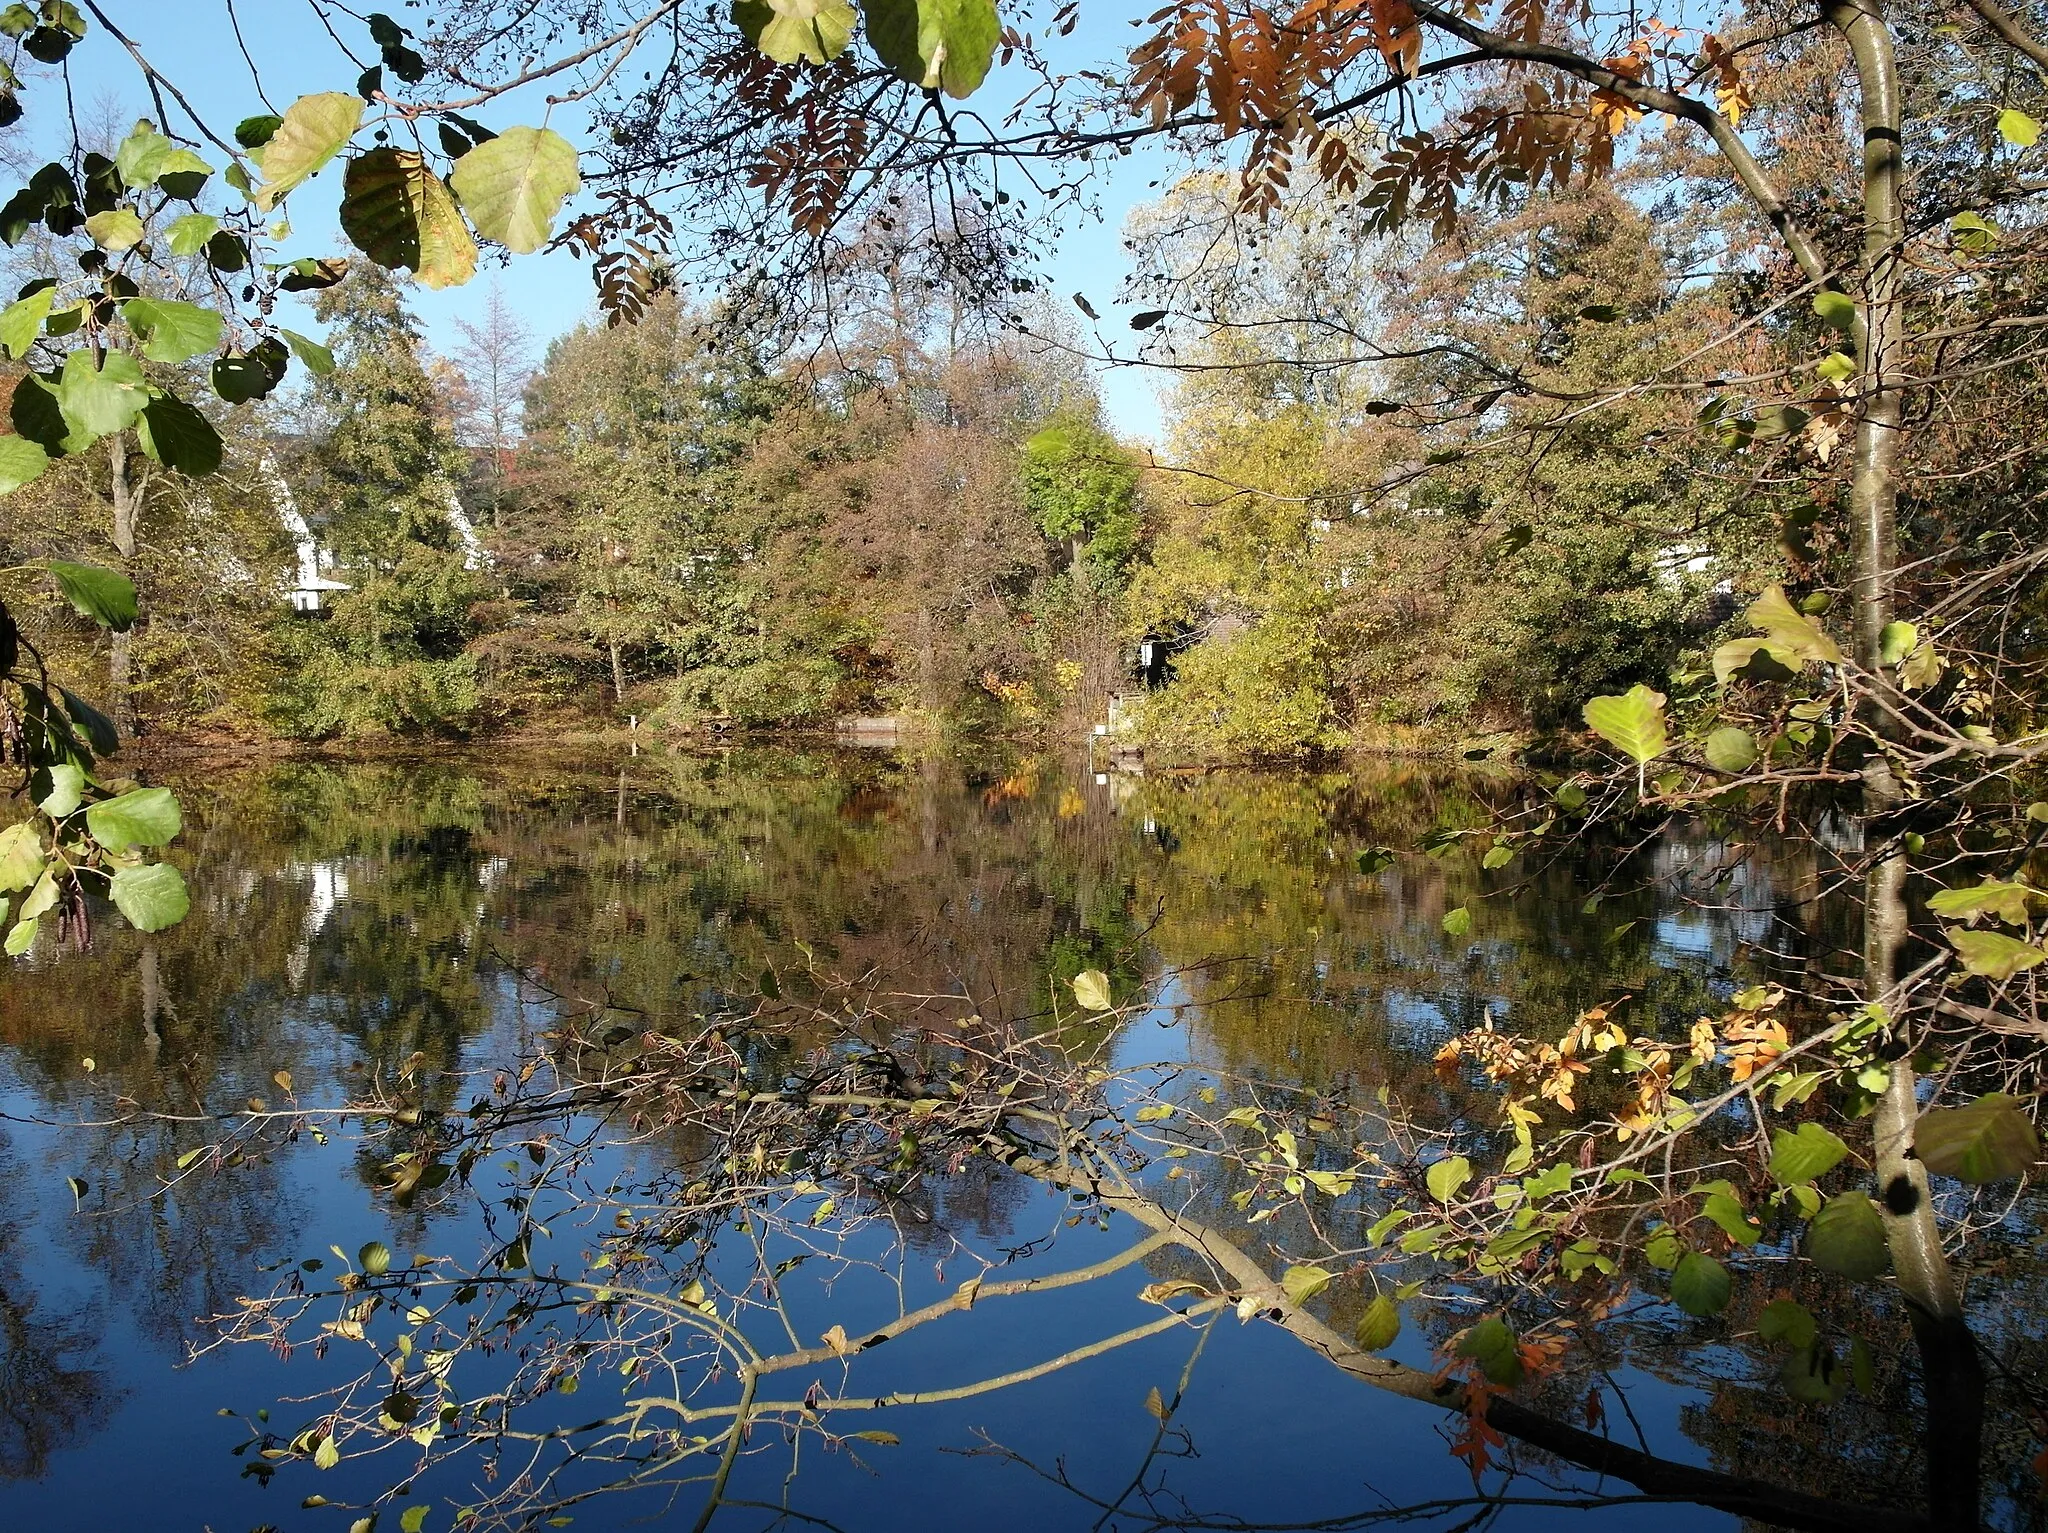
{"x": 618, "y": 676}
{"x": 120, "y": 655}
{"x": 1953, "y": 1377}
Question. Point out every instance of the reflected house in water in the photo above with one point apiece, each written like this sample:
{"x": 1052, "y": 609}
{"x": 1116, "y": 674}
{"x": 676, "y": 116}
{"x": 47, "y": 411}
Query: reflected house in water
{"x": 314, "y": 567}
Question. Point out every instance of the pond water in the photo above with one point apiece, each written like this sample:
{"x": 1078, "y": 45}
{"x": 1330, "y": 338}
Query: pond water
{"x": 357, "y": 928}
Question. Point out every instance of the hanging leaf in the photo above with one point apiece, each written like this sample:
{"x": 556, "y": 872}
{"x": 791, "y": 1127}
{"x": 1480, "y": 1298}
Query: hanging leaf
{"x": 1378, "y": 1326}
{"x": 1495, "y": 1348}
{"x": 400, "y": 214}
{"x": 1797, "y": 1159}
{"x": 21, "y": 322}
{"x": 115, "y": 230}
{"x": 1091, "y": 989}
{"x": 1836, "y": 310}
{"x": 938, "y": 44}
{"x": 796, "y": 31}
{"x": 179, "y": 437}
{"x": 1754, "y": 660}
{"x": 1445, "y": 1177}
{"x": 102, "y": 595}
{"x": 1814, "y": 1375}
{"x": 512, "y": 186}
{"x": 99, "y": 401}
{"x": 187, "y": 236}
{"x": 316, "y": 357}
{"x": 1791, "y": 630}
{"x": 374, "y": 1258}
{"x": 172, "y": 332}
{"x": 1897, "y": 641}
{"x": 2017, "y": 128}
{"x": 1730, "y": 750}
{"x": 144, "y": 817}
{"x": 1633, "y": 723}
{"x": 1988, "y": 1140}
{"x": 1787, "y": 1321}
{"x": 21, "y": 857}
{"x": 1302, "y": 1284}
{"x": 21, "y": 461}
{"x": 151, "y": 897}
{"x": 1700, "y": 1285}
{"x": 1993, "y": 954}
{"x": 1847, "y": 1236}
{"x": 311, "y": 132}
{"x": 1993, "y": 897}
{"x": 255, "y": 132}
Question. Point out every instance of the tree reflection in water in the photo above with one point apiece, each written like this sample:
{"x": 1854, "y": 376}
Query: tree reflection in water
{"x": 555, "y": 991}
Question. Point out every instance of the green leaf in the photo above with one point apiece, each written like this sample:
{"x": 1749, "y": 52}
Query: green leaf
{"x": 21, "y": 461}
{"x": 413, "y": 1518}
{"x": 1091, "y": 989}
{"x": 1988, "y": 1140}
{"x": 1494, "y": 1347}
{"x": 1664, "y": 1250}
{"x": 1755, "y": 660}
{"x": 1787, "y": 1321}
{"x": 1836, "y": 367}
{"x": 1302, "y": 1284}
{"x": 1836, "y": 310}
{"x": 21, "y": 857}
{"x": 99, "y": 729}
{"x": 145, "y": 817}
{"x": 1993, "y": 897}
{"x": 1797, "y": 1159}
{"x": 1972, "y": 233}
{"x": 310, "y": 134}
{"x": 1897, "y": 641}
{"x": 1724, "y": 1211}
{"x": 180, "y": 437}
{"x": 67, "y": 792}
{"x": 22, "y": 321}
{"x": 1847, "y": 1236}
{"x": 512, "y": 186}
{"x": 116, "y": 230}
{"x": 1457, "y": 922}
{"x": 1498, "y": 857}
{"x": 1447, "y": 1176}
{"x": 102, "y": 595}
{"x": 141, "y": 153}
{"x": 1791, "y": 630}
{"x": 1993, "y": 954}
{"x": 99, "y": 401}
{"x": 1633, "y": 723}
{"x": 187, "y": 236}
{"x": 1700, "y": 1285}
{"x": 796, "y": 31}
{"x": 326, "y": 1455}
{"x": 316, "y": 358}
{"x": 1730, "y": 750}
{"x": 400, "y": 214}
{"x": 20, "y": 938}
{"x": 374, "y": 1258}
{"x": 2016, "y": 127}
{"x": 170, "y": 331}
{"x": 151, "y": 897}
{"x": 1378, "y": 1326}
{"x": 1814, "y": 1375}
{"x": 255, "y": 132}
{"x": 938, "y": 44}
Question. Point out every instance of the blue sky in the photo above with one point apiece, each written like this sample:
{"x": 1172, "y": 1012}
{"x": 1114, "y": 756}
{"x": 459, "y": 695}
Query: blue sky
{"x": 191, "y": 42}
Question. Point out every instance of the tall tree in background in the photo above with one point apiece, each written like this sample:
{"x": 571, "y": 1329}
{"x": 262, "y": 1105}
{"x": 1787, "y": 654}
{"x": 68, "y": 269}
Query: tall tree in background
{"x": 496, "y": 359}
{"x": 377, "y": 470}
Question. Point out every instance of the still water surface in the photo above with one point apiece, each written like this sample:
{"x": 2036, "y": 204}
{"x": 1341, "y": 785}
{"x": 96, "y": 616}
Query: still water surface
{"x": 350, "y": 922}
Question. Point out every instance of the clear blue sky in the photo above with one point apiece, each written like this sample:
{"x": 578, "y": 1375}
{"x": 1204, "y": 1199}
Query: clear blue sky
{"x": 192, "y": 43}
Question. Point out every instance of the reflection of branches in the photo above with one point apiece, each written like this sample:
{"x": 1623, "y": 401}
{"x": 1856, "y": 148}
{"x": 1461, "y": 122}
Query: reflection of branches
{"x": 797, "y": 1128}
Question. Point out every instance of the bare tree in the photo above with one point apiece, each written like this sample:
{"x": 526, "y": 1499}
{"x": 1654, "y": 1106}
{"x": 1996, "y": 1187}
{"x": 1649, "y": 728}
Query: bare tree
{"x": 496, "y": 358}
